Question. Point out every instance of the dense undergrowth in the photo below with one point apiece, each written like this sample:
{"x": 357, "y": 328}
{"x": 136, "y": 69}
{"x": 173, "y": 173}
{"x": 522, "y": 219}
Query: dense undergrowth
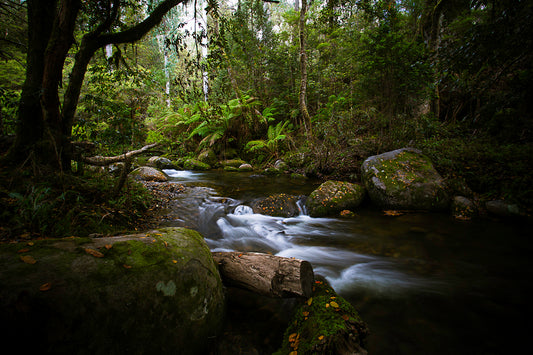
{"x": 68, "y": 205}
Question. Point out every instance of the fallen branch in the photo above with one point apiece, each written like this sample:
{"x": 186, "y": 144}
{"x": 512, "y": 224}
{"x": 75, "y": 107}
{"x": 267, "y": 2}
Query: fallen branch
{"x": 265, "y": 274}
{"x": 104, "y": 161}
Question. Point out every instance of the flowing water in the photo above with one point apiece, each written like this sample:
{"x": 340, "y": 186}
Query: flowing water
{"x": 424, "y": 283}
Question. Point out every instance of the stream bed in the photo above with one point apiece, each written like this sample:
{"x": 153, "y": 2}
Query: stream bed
{"x": 424, "y": 283}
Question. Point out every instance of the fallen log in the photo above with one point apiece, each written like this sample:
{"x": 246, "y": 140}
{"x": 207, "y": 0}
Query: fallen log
{"x": 104, "y": 161}
{"x": 265, "y": 274}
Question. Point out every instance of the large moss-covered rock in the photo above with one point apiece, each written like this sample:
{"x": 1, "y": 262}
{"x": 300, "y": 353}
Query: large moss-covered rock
{"x": 147, "y": 173}
{"x": 404, "y": 179}
{"x": 277, "y": 205}
{"x": 208, "y": 156}
{"x": 153, "y": 293}
{"x": 325, "y": 324}
{"x": 193, "y": 164}
{"x": 332, "y": 197}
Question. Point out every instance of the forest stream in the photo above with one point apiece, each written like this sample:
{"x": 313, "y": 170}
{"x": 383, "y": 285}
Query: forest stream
{"x": 424, "y": 283}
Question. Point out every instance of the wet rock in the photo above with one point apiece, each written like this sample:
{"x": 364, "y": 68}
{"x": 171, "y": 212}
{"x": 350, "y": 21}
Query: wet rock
{"x": 325, "y": 324}
{"x": 208, "y": 156}
{"x": 231, "y": 168}
{"x": 272, "y": 171}
{"x": 463, "y": 208}
{"x": 404, "y": 179}
{"x": 502, "y": 208}
{"x": 232, "y": 162}
{"x": 147, "y": 293}
{"x": 147, "y": 173}
{"x": 281, "y": 165}
{"x": 161, "y": 163}
{"x": 332, "y": 197}
{"x": 193, "y": 164}
{"x": 278, "y": 205}
{"x": 245, "y": 167}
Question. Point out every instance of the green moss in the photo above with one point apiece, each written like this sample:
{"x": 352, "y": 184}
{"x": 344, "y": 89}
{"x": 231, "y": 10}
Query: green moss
{"x": 321, "y": 322}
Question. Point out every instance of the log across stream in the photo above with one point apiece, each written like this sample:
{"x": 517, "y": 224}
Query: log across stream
{"x": 426, "y": 283}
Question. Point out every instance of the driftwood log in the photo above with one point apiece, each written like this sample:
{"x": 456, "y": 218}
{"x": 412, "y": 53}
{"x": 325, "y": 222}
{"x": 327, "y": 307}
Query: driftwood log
{"x": 265, "y": 274}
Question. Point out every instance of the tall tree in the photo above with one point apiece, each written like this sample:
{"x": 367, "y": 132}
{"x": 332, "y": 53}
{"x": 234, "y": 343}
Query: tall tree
{"x": 44, "y": 122}
{"x": 306, "y": 119}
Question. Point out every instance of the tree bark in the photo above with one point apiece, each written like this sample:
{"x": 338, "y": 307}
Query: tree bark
{"x": 265, "y": 274}
{"x": 306, "y": 119}
{"x": 41, "y": 14}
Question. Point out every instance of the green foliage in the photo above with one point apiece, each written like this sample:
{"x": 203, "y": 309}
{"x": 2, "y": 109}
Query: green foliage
{"x": 275, "y": 134}
{"x": 78, "y": 206}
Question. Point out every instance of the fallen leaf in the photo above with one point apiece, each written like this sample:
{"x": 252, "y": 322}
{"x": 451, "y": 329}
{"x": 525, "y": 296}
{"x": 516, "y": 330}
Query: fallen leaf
{"x": 345, "y": 317}
{"x": 45, "y": 287}
{"x": 25, "y": 250}
{"x": 28, "y": 259}
{"x": 321, "y": 337}
{"x": 293, "y": 337}
{"x": 94, "y": 253}
{"x": 108, "y": 246}
{"x": 334, "y": 304}
{"x": 126, "y": 266}
{"x": 309, "y": 301}
{"x": 305, "y": 313}
{"x": 30, "y": 244}
{"x": 175, "y": 261}
{"x": 327, "y": 305}
{"x": 166, "y": 244}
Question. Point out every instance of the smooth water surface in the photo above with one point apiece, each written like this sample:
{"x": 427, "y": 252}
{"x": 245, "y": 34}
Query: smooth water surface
{"x": 424, "y": 283}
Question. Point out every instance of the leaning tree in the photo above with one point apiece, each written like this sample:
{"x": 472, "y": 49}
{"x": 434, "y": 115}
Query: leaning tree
{"x": 45, "y": 120}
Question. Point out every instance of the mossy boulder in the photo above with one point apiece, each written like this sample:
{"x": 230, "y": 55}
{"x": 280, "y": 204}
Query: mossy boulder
{"x": 404, "y": 179}
{"x": 148, "y": 173}
{"x": 208, "y": 156}
{"x": 245, "y": 167}
{"x": 332, "y": 197}
{"x": 325, "y": 324}
{"x": 161, "y": 163}
{"x": 194, "y": 164}
{"x": 277, "y": 205}
{"x": 152, "y": 293}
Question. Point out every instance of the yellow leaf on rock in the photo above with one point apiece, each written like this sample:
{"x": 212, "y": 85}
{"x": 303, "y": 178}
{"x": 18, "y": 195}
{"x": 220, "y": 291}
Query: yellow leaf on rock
{"x": 94, "y": 253}
{"x": 28, "y": 259}
{"x": 45, "y": 287}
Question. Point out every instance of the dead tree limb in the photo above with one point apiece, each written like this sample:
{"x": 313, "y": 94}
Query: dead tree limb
{"x": 265, "y": 274}
{"x": 104, "y": 161}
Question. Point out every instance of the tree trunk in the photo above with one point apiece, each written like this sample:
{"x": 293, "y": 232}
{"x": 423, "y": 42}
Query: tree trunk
{"x": 265, "y": 274}
{"x": 306, "y": 120}
{"x": 44, "y": 130}
{"x": 57, "y": 147}
{"x": 41, "y": 14}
